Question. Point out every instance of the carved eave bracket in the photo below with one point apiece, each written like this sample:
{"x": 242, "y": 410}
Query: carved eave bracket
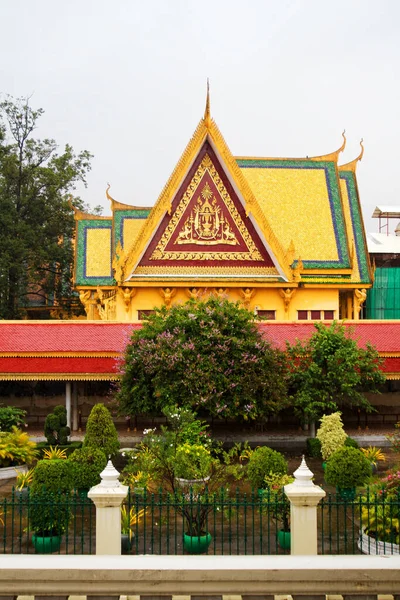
{"x": 287, "y": 296}
{"x": 247, "y": 294}
{"x": 297, "y": 270}
{"x": 167, "y": 295}
{"x": 127, "y": 294}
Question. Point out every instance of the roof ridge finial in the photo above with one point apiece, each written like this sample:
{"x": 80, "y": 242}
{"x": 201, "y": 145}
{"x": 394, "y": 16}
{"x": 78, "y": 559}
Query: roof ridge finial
{"x": 207, "y": 117}
{"x": 362, "y": 149}
{"x": 110, "y": 198}
{"x": 343, "y": 146}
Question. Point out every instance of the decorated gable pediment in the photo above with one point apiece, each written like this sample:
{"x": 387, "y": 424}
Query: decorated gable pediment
{"x": 207, "y": 231}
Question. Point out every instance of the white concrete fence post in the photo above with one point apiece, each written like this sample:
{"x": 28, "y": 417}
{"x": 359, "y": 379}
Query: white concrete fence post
{"x": 304, "y": 497}
{"x": 108, "y": 497}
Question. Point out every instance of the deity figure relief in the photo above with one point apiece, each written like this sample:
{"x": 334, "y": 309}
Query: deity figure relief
{"x": 287, "y": 296}
{"x": 206, "y": 224}
{"x": 84, "y": 297}
{"x": 193, "y": 293}
{"x": 127, "y": 295}
{"x": 221, "y": 293}
{"x": 167, "y": 294}
{"x": 359, "y": 298}
{"x": 247, "y": 295}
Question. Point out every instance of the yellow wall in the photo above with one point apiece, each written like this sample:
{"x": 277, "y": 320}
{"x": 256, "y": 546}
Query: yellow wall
{"x": 147, "y": 298}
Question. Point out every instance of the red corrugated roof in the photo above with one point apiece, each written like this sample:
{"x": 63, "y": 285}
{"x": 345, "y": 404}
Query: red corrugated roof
{"x": 384, "y": 335}
{"x": 85, "y": 336}
{"x": 64, "y": 336}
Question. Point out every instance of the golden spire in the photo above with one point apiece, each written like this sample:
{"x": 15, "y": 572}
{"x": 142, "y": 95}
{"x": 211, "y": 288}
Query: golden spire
{"x": 207, "y": 117}
{"x": 352, "y": 165}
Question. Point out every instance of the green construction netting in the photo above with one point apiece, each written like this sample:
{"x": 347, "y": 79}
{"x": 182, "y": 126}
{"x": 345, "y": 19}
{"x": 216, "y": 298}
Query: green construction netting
{"x": 383, "y": 300}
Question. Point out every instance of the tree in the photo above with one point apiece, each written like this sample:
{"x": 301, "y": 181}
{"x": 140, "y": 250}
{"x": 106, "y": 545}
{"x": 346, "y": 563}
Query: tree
{"x": 329, "y": 371}
{"x": 101, "y": 432}
{"x": 204, "y": 355}
{"x": 36, "y": 217}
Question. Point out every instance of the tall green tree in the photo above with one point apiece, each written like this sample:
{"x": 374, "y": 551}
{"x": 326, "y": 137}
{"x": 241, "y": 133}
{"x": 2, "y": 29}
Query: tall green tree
{"x": 330, "y": 371}
{"x": 204, "y": 355}
{"x": 36, "y": 218}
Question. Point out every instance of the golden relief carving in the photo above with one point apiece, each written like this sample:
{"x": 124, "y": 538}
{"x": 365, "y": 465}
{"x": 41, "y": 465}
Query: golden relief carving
{"x": 106, "y": 304}
{"x": 118, "y": 263}
{"x": 208, "y": 229}
{"x": 287, "y": 296}
{"x": 359, "y": 298}
{"x": 206, "y": 225}
{"x": 127, "y": 295}
{"x": 189, "y": 270}
{"x": 167, "y": 295}
{"x": 247, "y": 295}
{"x": 296, "y": 272}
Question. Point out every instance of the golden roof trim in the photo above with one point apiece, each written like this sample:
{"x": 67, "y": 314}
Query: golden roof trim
{"x": 58, "y": 377}
{"x": 60, "y": 354}
{"x": 83, "y": 216}
{"x": 332, "y": 156}
{"x": 352, "y": 165}
{"x": 115, "y": 205}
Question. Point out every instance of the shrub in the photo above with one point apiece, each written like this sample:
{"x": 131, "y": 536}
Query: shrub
{"x": 49, "y": 507}
{"x": 88, "y": 464}
{"x": 265, "y": 461}
{"x": 10, "y": 417}
{"x": 55, "y": 426}
{"x": 16, "y": 448}
{"x": 101, "y": 432}
{"x": 331, "y": 434}
{"x": 347, "y": 468}
{"x": 313, "y": 447}
{"x": 351, "y": 443}
{"x": 54, "y": 475}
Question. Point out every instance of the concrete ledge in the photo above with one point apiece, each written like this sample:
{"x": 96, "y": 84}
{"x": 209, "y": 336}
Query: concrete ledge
{"x": 183, "y": 575}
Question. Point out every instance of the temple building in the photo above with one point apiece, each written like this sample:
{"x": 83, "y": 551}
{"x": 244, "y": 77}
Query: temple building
{"x": 285, "y": 237}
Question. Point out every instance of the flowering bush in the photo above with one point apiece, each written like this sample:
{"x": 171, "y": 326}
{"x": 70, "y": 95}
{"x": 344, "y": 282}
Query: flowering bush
{"x": 207, "y": 355}
{"x": 331, "y": 434}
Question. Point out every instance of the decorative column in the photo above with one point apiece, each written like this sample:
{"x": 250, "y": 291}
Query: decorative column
{"x": 68, "y": 402}
{"x": 108, "y": 496}
{"x": 304, "y": 497}
{"x": 75, "y": 406}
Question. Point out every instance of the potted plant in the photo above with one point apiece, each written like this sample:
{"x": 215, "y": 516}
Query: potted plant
{"x": 274, "y": 484}
{"x": 380, "y": 523}
{"x": 346, "y": 469}
{"x": 192, "y": 464}
{"x": 374, "y": 455}
{"x": 331, "y": 435}
{"x": 16, "y": 451}
{"x": 129, "y": 519}
{"x": 49, "y": 508}
{"x": 23, "y": 481}
{"x": 87, "y": 463}
{"x": 263, "y": 462}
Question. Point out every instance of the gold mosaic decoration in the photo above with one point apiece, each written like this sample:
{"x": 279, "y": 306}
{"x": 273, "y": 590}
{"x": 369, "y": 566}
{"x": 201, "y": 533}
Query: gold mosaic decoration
{"x": 194, "y": 271}
{"x": 206, "y": 225}
{"x": 98, "y": 253}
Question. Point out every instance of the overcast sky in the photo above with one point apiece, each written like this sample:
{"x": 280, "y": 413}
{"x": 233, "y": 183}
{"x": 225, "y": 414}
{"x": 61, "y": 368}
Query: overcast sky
{"x": 127, "y": 81}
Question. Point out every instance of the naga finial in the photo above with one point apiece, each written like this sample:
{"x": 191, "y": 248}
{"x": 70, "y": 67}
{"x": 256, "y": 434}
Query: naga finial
{"x": 352, "y": 165}
{"x": 207, "y": 117}
{"x": 343, "y": 146}
{"x": 110, "y": 198}
{"x": 362, "y": 149}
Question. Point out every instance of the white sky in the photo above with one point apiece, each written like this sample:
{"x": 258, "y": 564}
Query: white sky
{"x": 127, "y": 81}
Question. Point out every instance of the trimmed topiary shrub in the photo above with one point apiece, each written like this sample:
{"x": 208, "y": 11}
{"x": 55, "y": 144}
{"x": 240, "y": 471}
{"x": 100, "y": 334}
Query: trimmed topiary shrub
{"x": 264, "y": 461}
{"x": 347, "y": 468}
{"x": 49, "y": 511}
{"x": 55, "y": 427}
{"x": 313, "y": 447}
{"x": 88, "y": 464}
{"x": 101, "y": 432}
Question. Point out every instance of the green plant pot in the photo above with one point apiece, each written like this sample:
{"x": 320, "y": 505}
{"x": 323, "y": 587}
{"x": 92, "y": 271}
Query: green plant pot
{"x": 347, "y": 494}
{"x": 46, "y": 544}
{"x": 195, "y": 544}
{"x": 324, "y": 465}
{"x": 284, "y": 539}
{"x": 127, "y": 542}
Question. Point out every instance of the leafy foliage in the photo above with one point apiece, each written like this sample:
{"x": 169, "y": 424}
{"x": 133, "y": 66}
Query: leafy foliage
{"x": 347, "y": 468}
{"x": 331, "y": 434}
{"x": 192, "y": 461}
{"x": 36, "y": 218}
{"x": 11, "y": 416}
{"x": 54, "y": 453}
{"x": 313, "y": 447}
{"x": 49, "y": 508}
{"x": 100, "y": 431}
{"x": 204, "y": 355}
{"x": 55, "y": 426}
{"x": 265, "y": 462}
{"x": 329, "y": 371}
{"x": 16, "y": 448}
{"x": 88, "y": 463}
